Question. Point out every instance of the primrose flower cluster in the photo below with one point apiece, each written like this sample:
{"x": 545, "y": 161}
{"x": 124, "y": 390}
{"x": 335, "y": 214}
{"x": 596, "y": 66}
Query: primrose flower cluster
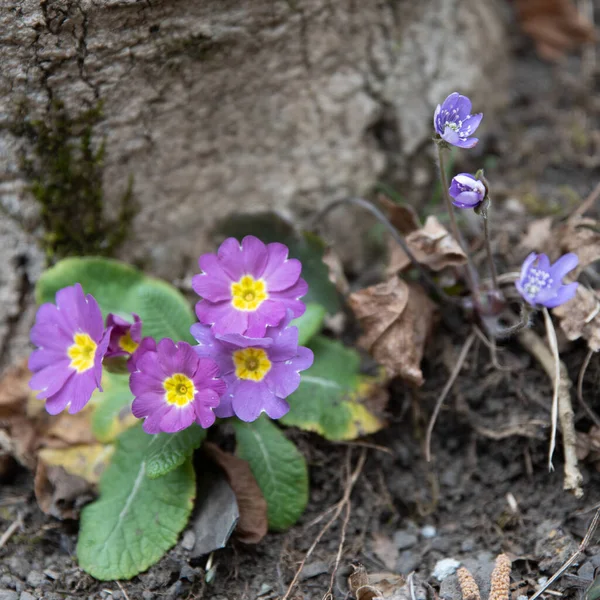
{"x": 540, "y": 283}
{"x": 247, "y": 360}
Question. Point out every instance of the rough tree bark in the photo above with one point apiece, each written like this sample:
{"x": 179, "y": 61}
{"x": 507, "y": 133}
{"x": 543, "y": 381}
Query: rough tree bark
{"x": 226, "y": 105}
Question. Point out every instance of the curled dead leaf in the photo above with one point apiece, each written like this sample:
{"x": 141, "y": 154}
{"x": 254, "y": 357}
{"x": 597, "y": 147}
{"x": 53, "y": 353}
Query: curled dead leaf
{"x": 59, "y": 493}
{"x": 396, "y": 319}
{"x": 539, "y": 234}
{"x": 432, "y": 245}
{"x": 580, "y": 317}
{"x": 581, "y": 235}
{"x": 554, "y": 25}
{"x": 402, "y": 216}
{"x": 252, "y": 524}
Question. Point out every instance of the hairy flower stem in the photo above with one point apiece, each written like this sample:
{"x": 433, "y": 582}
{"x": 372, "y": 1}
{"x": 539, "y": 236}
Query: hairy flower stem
{"x": 470, "y": 270}
{"x": 488, "y": 249}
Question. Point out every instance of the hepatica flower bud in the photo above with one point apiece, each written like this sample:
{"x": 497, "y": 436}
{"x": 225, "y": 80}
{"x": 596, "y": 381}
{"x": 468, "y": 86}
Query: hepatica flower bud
{"x": 540, "y": 283}
{"x": 466, "y": 191}
{"x": 174, "y": 387}
{"x": 247, "y": 287}
{"x": 454, "y": 122}
{"x": 71, "y": 341}
{"x": 259, "y": 372}
{"x": 125, "y": 337}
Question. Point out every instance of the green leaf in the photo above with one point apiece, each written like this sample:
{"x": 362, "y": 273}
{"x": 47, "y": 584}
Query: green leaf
{"x": 307, "y": 247}
{"x": 112, "y": 413}
{"x": 310, "y": 323}
{"x": 330, "y": 398}
{"x": 120, "y": 288}
{"x": 279, "y": 468}
{"x": 169, "y": 450}
{"x": 136, "y": 519}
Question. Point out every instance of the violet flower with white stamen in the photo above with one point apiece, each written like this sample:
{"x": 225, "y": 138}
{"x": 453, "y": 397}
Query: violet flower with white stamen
{"x": 454, "y": 122}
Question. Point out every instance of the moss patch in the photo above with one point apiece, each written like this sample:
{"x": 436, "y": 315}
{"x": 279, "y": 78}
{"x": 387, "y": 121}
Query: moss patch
{"x": 65, "y": 172}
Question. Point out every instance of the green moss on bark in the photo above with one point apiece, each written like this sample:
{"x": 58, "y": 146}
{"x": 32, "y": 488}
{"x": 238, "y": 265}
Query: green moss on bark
{"x": 65, "y": 170}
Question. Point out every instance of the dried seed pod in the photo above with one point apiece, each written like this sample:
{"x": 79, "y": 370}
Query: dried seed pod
{"x": 468, "y": 586}
{"x": 500, "y": 589}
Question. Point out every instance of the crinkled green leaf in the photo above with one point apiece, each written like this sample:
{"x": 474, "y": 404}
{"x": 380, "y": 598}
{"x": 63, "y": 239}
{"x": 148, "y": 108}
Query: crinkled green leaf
{"x": 167, "y": 451}
{"x": 310, "y": 323}
{"x": 136, "y": 519}
{"x": 278, "y": 467}
{"x": 330, "y": 398}
{"x": 122, "y": 289}
{"x": 112, "y": 412}
{"x": 309, "y": 248}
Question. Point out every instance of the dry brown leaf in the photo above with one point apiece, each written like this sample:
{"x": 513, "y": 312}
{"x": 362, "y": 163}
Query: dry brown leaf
{"x": 252, "y": 525}
{"x": 581, "y": 235}
{"x": 432, "y": 246}
{"x": 554, "y": 25}
{"x": 580, "y": 317}
{"x": 539, "y": 233}
{"x": 588, "y": 446}
{"x": 385, "y": 586}
{"x": 59, "y": 493}
{"x": 385, "y": 550}
{"x": 402, "y": 216}
{"x": 396, "y": 319}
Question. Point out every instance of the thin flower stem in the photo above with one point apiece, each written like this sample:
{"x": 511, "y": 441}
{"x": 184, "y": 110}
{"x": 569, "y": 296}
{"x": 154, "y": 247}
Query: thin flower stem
{"x": 488, "y": 249}
{"x": 471, "y": 277}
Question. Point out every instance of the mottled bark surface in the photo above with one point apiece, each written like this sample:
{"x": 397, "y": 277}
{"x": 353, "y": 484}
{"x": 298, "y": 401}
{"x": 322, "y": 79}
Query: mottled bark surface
{"x": 218, "y": 106}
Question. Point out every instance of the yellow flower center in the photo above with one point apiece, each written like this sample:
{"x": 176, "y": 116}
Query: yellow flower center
{"x": 248, "y": 293}
{"x": 251, "y": 363}
{"x": 82, "y": 352}
{"x": 179, "y": 389}
{"x": 126, "y": 343}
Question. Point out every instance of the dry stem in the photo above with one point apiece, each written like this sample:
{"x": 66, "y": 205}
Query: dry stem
{"x": 336, "y": 509}
{"x": 459, "y": 363}
{"x": 536, "y": 347}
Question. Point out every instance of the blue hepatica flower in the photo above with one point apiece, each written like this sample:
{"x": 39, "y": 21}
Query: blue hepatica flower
{"x": 454, "y": 122}
{"x": 541, "y": 283}
{"x": 466, "y": 191}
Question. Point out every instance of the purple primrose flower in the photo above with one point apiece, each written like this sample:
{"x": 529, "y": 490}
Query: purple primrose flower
{"x": 260, "y": 372}
{"x": 72, "y": 342}
{"x": 148, "y": 344}
{"x": 174, "y": 387}
{"x": 247, "y": 287}
{"x": 466, "y": 191}
{"x": 125, "y": 336}
{"x": 454, "y": 122}
{"x": 541, "y": 283}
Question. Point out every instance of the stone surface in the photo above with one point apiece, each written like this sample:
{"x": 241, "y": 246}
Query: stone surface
{"x": 221, "y": 106}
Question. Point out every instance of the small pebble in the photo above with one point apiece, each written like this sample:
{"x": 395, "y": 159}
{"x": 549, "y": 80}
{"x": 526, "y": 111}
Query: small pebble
{"x": 542, "y": 580}
{"x": 404, "y": 539}
{"x": 51, "y": 574}
{"x": 36, "y": 579}
{"x": 189, "y": 539}
{"x": 444, "y": 568}
{"x": 313, "y": 569}
{"x": 8, "y": 595}
{"x": 265, "y": 588}
{"x": 428, "y": 531}
{"x": 26, "y": 596}
{"x": 147, "y": 595}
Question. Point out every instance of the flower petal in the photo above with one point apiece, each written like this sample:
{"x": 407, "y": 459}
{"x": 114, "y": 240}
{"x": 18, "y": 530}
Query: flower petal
{"x": 563, "y": 295}
{"x": 563, "y": 265}
{"x": 51, "y": 379}
{"x": 176, "y": 418}
{"x": 285, "y": 276}
{"x": 255, "y": 256}
{"x": 269, "y": 313}
{"x": 230, "y": 258}
{"x": 222, "y": 316}
{"x": 250, "y": 398}
{"x": 146, "y": 404}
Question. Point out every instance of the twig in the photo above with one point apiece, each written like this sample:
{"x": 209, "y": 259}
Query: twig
{"x": 122, "y": 590}
{"x": 536, "y": 347}
{"x": 488, "y": 250}
{"x": 584, "y": 544}
{"x": 337, "y": 509}
{"x": 11, "y": 529}
{"x": 368, "y": 445}
{"x": 556, "y": 382}
{"x": 459, "y": 363}
{"x": 587, "y": 203}
{"x": 329, "y": 594}
{"x": 591, "y": 414}
{"x": 493, "y": 348}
